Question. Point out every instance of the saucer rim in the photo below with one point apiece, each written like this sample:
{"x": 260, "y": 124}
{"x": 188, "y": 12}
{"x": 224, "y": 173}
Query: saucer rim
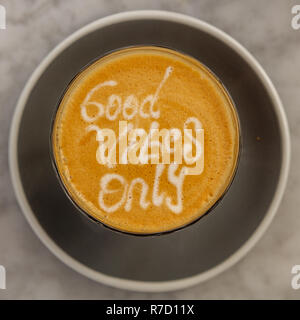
{"x": 149, "y": 286}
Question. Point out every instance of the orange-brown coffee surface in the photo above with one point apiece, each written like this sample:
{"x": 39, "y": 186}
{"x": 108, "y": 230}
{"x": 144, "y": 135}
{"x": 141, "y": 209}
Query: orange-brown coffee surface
{"x": 145, "y": 87}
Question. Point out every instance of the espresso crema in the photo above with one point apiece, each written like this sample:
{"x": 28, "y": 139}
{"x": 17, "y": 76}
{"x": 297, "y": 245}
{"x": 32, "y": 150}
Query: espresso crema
{"x": 146, "y": 140}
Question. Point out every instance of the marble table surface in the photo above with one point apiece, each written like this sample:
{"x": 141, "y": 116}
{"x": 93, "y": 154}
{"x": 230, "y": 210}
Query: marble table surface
{"x": 34, "y": 27}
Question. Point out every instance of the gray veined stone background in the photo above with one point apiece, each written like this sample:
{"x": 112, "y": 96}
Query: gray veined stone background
{"x": 34, "y": 27}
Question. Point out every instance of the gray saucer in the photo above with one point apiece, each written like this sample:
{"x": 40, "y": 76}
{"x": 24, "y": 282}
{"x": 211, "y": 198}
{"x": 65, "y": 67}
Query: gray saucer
{"x": 178, "y": 259}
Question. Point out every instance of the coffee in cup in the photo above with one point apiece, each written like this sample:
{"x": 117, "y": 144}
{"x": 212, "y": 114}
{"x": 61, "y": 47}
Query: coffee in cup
{"x": 146, "y": 140}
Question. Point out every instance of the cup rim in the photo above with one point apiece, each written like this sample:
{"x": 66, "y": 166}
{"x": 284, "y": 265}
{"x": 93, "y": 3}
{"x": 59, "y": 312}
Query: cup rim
{"x": 150, "y": 286}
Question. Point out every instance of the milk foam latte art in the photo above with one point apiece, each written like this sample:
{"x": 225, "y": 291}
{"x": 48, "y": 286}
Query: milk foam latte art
{"x": 145, "y": 140}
